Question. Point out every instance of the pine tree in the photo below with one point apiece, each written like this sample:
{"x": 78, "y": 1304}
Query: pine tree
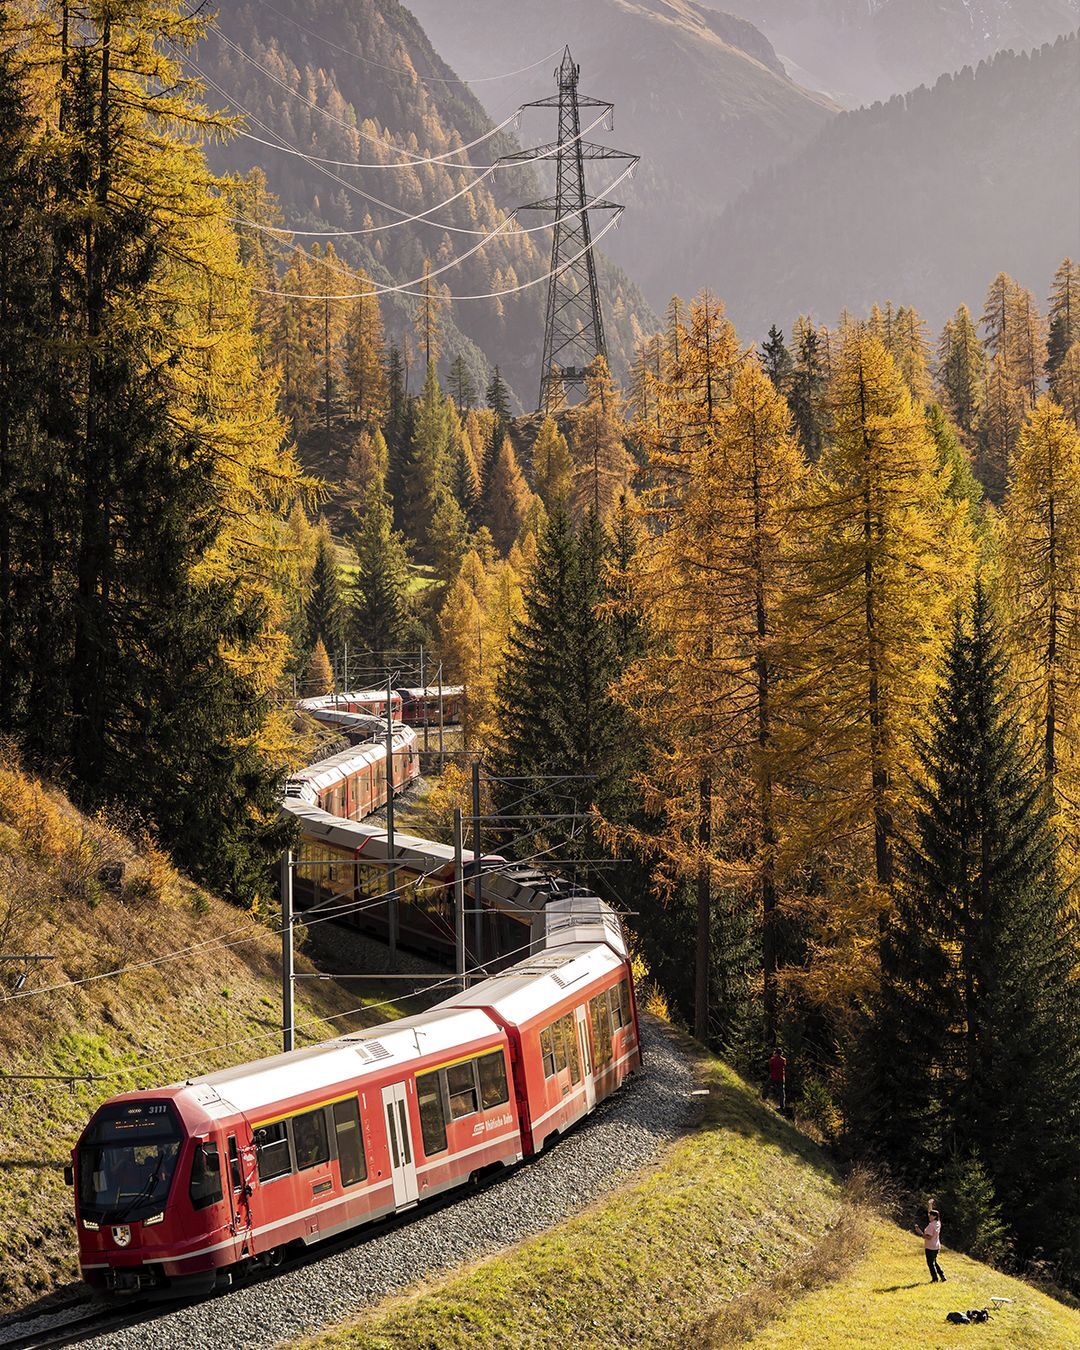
{"x": 555, "y": 714}
{"x": 324, "y": 611}
{"x": 961, "y": 370}
{"x": 380, "y": 604}
{"x": 498, "y": 398}
{"x": 427, "y": 468}
{"x": 318, "y": 678}
{"x": 462, "y": 479}
{"x": 711, "y": 575}
{"x": 808, "y": 386}
{"x": 1064, "y": 315}
{"x": 367, "y": 470}
{"x": 776, "y": 360}
{"x": 977, "y": 1045}
{"x": 462, "y": 386}
{"x": 159, "y": 555}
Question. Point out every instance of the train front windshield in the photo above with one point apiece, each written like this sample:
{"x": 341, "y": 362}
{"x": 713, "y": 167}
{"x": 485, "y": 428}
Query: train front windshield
{"x": 127, "y": 1161}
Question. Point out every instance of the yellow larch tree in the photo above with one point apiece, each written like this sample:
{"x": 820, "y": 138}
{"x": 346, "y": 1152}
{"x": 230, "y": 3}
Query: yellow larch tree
{"x": 602, "y": 464}
{"x": 1041, "y": 577}
{"x": 552, "y": 465}
{"x": 882, "y": 554}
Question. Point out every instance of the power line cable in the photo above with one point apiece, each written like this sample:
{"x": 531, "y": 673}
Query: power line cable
{"x": 451, "y": 299}
{"x": 412, "y": 161}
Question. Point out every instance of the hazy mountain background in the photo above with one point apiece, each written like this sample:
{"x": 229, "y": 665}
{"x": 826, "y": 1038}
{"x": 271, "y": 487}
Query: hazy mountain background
{"x": 862, "y": 50}
{"x": 923, "y": 199}
{"x": 373, "y": 76}
{"x": 702, "y": 96}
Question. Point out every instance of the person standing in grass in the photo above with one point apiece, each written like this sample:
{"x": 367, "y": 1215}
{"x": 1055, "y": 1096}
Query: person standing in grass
{"x": 778, "y": 1077}
{"x": 931, "y": 1236}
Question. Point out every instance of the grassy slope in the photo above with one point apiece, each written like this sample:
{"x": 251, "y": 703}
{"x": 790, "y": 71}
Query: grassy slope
{"x": 887, "y": 1296}
{"x": 218, "y": 1006}
{"x": 729, "y": 1231}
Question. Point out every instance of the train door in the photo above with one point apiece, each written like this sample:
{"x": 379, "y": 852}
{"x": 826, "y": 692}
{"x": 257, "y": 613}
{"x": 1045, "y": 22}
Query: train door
{"x": 581, "y": 1018}
{"x": 241, "y": 1194}
{"x": 399, "y": 1142}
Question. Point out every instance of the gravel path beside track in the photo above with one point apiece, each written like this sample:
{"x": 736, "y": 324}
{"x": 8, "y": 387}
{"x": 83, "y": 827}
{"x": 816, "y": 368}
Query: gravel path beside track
{"x": 624, "y": 1133}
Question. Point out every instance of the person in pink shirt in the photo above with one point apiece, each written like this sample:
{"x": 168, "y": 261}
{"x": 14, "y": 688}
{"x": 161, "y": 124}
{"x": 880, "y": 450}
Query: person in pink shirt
{"x": 931, "y": 1236}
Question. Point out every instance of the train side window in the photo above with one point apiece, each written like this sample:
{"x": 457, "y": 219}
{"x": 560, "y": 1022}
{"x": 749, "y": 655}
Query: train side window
{"x": 493, "y": 1090}
{"x": 601, "y": 1028}
{"x": 350, "y": 1142}
{"x": 205, "y": 1188}
{"x": 624, "y": 1003}
{"x": 547, "y": 1052}
{"x": 558, "y": 1042}
{"x": 570, "y": 1041}
{"x": 615, "y": 1004}
{"x": 432, "y": 1116}
{"x": 309, "y": 1139}
{"x": 461, "y": 1089}
{"x": 272, "y": 1145}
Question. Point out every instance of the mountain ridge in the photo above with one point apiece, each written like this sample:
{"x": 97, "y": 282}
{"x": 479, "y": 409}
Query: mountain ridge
{"x": 922, "y": 199}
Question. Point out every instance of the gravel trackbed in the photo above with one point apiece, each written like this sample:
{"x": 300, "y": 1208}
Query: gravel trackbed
{"x": 624, "y": 1134}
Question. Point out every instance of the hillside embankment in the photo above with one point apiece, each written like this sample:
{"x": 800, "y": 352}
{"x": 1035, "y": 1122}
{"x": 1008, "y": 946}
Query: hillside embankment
{"x": 739, "y": 1233}
{"x": 200, "y": 990}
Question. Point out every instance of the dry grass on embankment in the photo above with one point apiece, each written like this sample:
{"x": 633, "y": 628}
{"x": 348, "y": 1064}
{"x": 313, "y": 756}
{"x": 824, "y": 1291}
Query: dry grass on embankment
{"x": 218, "y": 1005}
{"x": 740, "y": 1234}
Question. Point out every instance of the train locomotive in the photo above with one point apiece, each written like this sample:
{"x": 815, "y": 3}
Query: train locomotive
{"x": 181, "y": 1189}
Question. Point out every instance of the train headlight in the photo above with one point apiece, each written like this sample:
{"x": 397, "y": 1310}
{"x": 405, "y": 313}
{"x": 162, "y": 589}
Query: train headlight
{"x": 154, "y": 1218}
{"x": 90, "y": 1226}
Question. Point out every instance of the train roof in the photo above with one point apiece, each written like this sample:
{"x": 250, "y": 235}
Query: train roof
{"x": 329, "y": 771}
{"x": 339, "y": 699}
{"x": 537, "y": 983}
{"x": 434, "y": 690}
{"x": 277, "y": 1080}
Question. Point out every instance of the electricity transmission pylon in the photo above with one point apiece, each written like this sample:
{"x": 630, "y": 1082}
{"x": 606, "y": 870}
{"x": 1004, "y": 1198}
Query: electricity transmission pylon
{"x": 574, "y": 327}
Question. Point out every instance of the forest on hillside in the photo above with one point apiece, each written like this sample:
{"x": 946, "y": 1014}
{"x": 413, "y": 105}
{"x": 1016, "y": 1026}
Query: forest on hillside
{"x": 804, "y": 617}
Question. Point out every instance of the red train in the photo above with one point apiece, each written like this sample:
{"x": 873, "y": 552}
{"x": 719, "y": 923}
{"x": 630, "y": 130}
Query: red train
{"x": 181, "y": 1188}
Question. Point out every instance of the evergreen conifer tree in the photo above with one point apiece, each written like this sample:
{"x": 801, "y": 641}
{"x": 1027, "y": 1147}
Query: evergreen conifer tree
{"x": 380, "y": 606}
{"x": 977, "y": 1040}
{"x": 461, "y": 385}
{"x": 808, "y": 383}
{"x": 776, "y": 360}
{"x": 498, "y": 397}
{"x": 427, "y": 468}
{"x": 324, "y": 611}
{"x": 1064, "y": 314}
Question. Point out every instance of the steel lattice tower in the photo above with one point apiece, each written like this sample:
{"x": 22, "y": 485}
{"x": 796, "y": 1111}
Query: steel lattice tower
{"x": 574, "y": 327}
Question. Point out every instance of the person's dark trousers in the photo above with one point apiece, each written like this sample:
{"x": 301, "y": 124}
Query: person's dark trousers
{"x": 936, "y": 1273}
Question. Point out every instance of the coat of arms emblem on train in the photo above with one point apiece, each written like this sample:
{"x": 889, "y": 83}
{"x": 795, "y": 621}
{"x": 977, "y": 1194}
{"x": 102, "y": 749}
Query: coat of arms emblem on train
{"x": 122, "y": 1234}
